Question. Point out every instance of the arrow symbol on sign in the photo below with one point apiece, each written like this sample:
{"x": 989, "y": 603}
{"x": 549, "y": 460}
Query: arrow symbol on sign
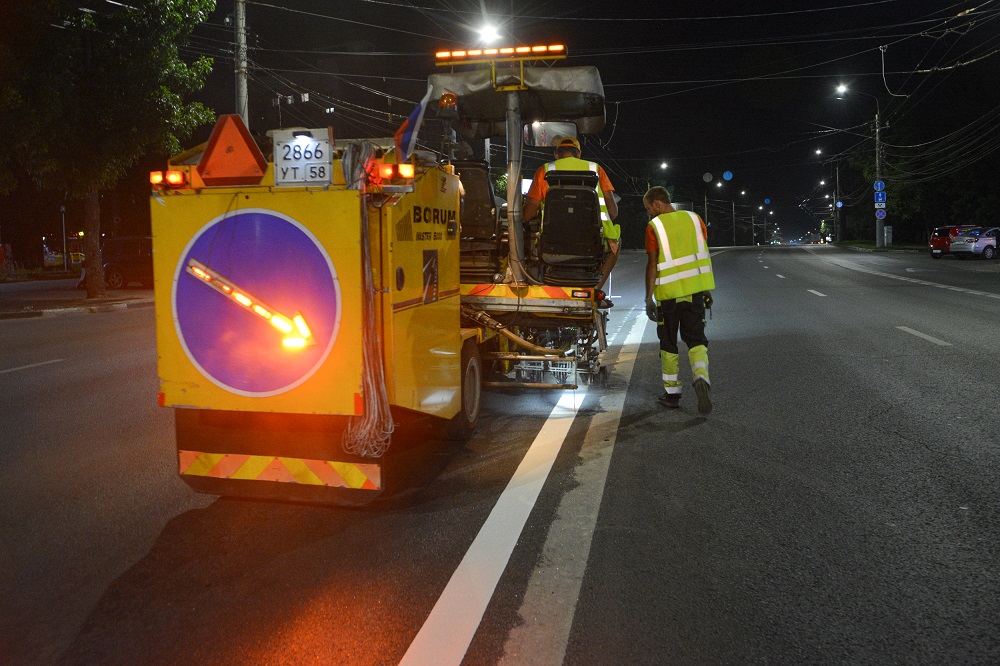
{"x": 297, "y": 332}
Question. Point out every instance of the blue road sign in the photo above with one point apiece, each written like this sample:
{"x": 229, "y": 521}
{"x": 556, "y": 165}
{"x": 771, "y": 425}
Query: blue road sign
{"x": 879, "y": 185}
{"x": 880, "y": 213}
{"x": 880, "y": 197}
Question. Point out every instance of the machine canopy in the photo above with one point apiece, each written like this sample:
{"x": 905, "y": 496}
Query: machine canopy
{"x": 573, "y": 94}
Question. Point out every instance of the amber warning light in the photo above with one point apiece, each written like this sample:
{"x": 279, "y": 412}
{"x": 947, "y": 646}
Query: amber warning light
{"x": 171, "y": 178}
{"x": 541, "y": 51}
{"x": 392, "y": 171}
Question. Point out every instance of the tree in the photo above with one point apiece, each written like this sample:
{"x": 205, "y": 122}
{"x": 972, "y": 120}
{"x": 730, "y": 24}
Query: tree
{"x": 100, "y": 86}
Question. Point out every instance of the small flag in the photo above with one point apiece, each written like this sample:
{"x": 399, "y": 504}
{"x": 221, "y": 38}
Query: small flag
{"x": 406, "y": 135}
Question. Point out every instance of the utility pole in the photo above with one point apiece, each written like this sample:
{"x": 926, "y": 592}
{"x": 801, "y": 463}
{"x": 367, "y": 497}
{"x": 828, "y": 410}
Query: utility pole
{"x": 242, "y": 106}
{"x": 879, "y": 224}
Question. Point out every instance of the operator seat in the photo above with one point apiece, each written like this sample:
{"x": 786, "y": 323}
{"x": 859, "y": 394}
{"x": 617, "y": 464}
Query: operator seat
{"x": 570, "y": 243}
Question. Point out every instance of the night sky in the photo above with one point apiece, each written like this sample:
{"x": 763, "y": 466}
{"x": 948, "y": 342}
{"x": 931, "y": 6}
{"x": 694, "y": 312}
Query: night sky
{"x": 705, "y": 86}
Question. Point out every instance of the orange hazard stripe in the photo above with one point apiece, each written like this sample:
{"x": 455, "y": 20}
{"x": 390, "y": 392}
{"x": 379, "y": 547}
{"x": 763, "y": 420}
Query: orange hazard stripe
{"x": 330, "y": 473}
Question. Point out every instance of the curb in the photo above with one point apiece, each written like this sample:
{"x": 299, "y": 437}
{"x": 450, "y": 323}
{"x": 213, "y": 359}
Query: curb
{"x": 90, "y": 309}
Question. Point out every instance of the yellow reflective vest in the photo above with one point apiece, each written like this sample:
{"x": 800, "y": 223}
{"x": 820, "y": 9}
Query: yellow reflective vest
{"x": 611, "y": 230}
{"x": 683, "y": 266}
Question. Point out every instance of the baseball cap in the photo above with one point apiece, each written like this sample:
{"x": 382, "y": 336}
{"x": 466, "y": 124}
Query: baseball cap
{"x": 568, "y": 141}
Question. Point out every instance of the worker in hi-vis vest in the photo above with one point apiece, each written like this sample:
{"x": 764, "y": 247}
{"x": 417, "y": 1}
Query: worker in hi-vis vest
{"x": 678, "y": 281}
{"x": 567, "y": 154}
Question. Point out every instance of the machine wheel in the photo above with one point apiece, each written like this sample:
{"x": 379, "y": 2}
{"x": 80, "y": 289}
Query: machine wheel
{"x": 463, "y": 424}
{"x": 115, "y": 279}
{"x": 989, "y": 252}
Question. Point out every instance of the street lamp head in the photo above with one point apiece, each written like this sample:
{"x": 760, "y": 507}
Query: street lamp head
{"x": 489, "y": 33}
{"x": 663, "y": 165}
{"x": 841, "y": 89}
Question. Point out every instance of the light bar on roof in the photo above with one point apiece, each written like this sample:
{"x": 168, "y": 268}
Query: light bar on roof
{"x": 537, "y": 52}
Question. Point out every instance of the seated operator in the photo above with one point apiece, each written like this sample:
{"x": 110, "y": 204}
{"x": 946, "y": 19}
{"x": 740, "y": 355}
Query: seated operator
{"x": 567, "y": 154}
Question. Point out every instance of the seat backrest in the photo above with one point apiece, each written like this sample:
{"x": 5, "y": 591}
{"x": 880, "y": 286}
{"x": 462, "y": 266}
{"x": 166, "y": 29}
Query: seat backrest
{"x": 479, "y": 218}
{"x": 571, "y": 219}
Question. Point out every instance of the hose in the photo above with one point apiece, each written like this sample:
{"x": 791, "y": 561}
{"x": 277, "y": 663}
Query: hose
{"x": 489, "y": 322}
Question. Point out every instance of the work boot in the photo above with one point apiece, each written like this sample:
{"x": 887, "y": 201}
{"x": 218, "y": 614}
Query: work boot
{"x": 701, "y": 390}
{"x": 671, "y": 400}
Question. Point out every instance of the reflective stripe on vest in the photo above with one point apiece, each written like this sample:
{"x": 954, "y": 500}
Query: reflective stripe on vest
{"x": 687, "y": 274}
{"x": 611, "y": 230}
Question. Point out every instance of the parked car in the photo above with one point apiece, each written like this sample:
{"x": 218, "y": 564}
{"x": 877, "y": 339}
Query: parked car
{"x": 940, "y": 242}
{"x": 979, "y": 241}
{"x": 127, "y": 259}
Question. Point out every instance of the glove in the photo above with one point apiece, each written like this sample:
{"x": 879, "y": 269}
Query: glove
{"x": 708, "y": 300}
{"x": 651, "y": 309}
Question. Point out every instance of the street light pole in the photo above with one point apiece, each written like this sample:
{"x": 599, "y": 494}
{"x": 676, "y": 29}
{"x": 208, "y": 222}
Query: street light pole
{"x": 62, "y": 209}
{"x": 879, "y": 224}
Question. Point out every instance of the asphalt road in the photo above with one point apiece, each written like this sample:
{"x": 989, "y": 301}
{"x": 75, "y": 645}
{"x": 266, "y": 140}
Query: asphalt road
{"x": 839, "y": 505}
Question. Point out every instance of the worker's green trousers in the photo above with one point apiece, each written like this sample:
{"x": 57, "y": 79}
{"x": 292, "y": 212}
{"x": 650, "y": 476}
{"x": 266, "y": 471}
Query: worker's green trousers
{"x": 670, "y": 364}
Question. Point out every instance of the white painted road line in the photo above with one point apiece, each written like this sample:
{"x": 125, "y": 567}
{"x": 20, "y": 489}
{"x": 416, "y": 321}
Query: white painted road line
{"x": 780, "y": 275}
{"x": 33, "y": 365}
{"x": 856, "y": 267}
{"x": 452, "y": 624}
{"x": 813, "y": 291}
{"x": 765, "y": 266}
{"x": 942, "y": 343}
{"x": 550, "y": 600}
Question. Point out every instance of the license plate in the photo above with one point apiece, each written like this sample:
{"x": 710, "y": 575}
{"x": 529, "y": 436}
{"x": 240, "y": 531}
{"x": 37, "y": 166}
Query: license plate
{"x": 302, "y": 157}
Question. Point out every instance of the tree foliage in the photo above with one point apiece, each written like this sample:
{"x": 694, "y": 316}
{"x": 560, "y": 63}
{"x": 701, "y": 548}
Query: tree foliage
{"x": 93, "y": 88}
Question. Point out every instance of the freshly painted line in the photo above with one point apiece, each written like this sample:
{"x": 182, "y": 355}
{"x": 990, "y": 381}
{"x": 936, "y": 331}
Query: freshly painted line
{"x": 765, "y": 266}
{"x": 780, "y": 275}
{"x": 445, "y": 636}
{"x": 554, "y": 588}
{"x": 924, "y": 336}
{"x": 33, "y": 365}
{"x": 813, "y": 291}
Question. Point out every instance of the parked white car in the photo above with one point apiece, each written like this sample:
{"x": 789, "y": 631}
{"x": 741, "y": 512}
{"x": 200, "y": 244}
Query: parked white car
{"x": 980, "y": 241}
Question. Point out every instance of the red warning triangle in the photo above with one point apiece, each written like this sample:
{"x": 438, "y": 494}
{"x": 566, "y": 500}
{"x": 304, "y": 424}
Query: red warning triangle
{"x": 231, "y": 156}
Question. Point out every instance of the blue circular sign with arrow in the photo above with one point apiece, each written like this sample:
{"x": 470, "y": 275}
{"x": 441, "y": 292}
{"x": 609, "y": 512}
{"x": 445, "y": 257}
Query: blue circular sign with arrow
{"x": 256, "y": 302}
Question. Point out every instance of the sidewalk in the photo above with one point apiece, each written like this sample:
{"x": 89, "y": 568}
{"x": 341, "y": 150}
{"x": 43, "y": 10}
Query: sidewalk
{"x": 44, "y": 298}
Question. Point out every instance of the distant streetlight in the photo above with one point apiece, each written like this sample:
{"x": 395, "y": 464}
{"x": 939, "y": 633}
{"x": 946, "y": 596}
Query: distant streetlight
{"x": 663, "y": 165}
{"x": 819, "y": 151}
